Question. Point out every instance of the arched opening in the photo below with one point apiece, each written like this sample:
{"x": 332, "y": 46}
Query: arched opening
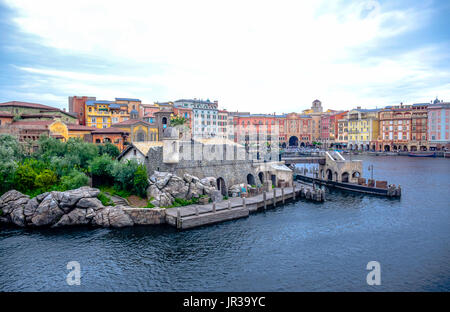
{"x": 351, "y": 146}
{"x": 356, "y": 175}
{"x": 251, "y": 179}
{"x": 356, "y": 147}
{"x": 221, "y": 186}
{"x": 140, "y": 136}
{"x": 106, "y": 140}
{"x": 302, "y": 144}
{"x": 273, "y": 178}
{"x": 367, "y": 147}
{"x": 261, "y": 177}
{"x": 362, "y": 147}
{"x": 164, "y": 122}
{"x": 405, "y": 148}
{"x": 387, "y": 148}
{"x": 413, "y": 148}
{"x": 329, "y": 175}
{"x": 394, "y": 147}
{"x": 98, "y": 141}
{"x": 423, "y": 148}
{"x": 344, "y": 177}
{"x": 283, "y": 145}
{"x": 293, "y": 141}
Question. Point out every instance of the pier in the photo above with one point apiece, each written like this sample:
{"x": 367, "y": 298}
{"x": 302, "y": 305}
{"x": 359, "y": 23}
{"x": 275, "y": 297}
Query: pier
{"x": 236, "y": 207}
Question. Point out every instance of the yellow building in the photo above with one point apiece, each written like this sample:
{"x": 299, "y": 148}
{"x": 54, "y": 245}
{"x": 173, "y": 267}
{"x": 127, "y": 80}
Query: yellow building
{"x": 64, "y": 131}
{"x": 139, "y": 130}
{"x": 363, "y": 126}
{"x": 103, "y": 114}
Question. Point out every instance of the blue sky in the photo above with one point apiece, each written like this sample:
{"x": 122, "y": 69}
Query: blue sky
{"x": 255, "y": 56}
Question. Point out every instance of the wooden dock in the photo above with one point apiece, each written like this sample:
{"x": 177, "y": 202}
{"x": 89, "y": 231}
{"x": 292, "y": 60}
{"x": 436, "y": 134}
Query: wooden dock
{"x": 234, "y": 208}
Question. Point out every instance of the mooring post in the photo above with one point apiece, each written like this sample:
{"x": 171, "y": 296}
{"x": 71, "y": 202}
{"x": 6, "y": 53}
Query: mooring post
{"x": 274, "y": 197}
{"x": 196, "y": 211}
{"x": 282, "y": 194}
{"x": 178, "y": 218}
{"x": 214, "y": 208}
{"x": 265, "y": 200}
{"x": 293, "y": 190}
{"x": 229, "y": 204}
{"x": 243, "y": 202}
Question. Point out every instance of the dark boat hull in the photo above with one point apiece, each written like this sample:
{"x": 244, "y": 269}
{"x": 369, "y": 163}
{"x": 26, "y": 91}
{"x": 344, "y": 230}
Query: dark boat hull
{"x": 422, "y": 155}
{"x": 347, "y": 186}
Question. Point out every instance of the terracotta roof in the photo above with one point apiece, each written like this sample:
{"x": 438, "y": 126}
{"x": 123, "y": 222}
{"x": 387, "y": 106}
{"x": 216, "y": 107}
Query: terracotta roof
{"x": 33, "y": 124}
{"x": 130, "y": 122}
{"x": 34, "y": 105}
{"x": 108, "y": 130}
{"x": 6, "y": 114}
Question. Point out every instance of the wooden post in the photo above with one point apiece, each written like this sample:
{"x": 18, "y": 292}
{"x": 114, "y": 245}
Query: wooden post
{"x": 229, "y": 204}
{"x": 265, "y": 200}
{"x": 282, "y": 194}
{"x": 293, "y": 190}
{"x": 274, "y": 197}
{"x": 196, "y": 211}
{"x": 178, "y": 218}
{"x": 243, "y": 202}
{"x": 214, "y": 208}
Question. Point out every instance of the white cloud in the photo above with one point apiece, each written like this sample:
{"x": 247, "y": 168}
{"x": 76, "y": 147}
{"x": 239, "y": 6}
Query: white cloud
{"x": 261, "y": 56}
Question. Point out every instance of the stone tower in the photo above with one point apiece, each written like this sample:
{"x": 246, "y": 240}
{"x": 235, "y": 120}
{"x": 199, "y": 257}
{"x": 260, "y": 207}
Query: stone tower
{"x": 317, "y": 106}
{"x": 171, "y": 147}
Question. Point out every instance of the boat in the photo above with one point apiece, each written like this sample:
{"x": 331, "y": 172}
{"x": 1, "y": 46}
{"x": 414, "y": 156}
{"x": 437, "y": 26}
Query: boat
{"x": 422, "y": 154}
{"x": 447, "y": 154}
{"x": 390, "y": 191}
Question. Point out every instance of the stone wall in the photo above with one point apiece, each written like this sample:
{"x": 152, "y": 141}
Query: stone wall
{"x": 146, "y": 216}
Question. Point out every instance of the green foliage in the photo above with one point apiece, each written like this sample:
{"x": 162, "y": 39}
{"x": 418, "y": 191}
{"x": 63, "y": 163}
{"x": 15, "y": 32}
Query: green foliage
{"x": 1, "y": 212}
{"x": 177, "y": 121}
{"x": 225, "y": 197}
{"x": 45, "y": 179}
{"x": 149, "y": 205}
{"x": 102, "y": 166}
{"x": 115, "y": 191}
{"x": 106, "y": 201}
{"x": 109, "y": 149}
{"x": 180, "y": 202}
{"x": 24, "y": 177}
{"x": 140, "y": 181}
{"x": 73, "y": 180}
{"x": 123, "y": 173}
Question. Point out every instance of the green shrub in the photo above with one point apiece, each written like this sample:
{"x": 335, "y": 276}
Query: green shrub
{"x": 149, "y": 205}
{"x": 140, "y": 181}
{"x": 106, "y": 201}
{"x": 73, "y": 180}
{"x": 102, "y": 166}
{"x": 24, "y": 178}
{"x": 180, "y": 202}
{"x": 123, "y": 173}
{"x": 114, "y": 191}
{"x": 45, "y": 179}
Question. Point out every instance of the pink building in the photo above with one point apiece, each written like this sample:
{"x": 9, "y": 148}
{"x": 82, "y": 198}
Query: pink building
{"x": 438, "y": 125}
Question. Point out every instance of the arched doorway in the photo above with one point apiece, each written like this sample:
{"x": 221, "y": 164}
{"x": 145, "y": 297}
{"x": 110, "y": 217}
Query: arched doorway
{"x": 413, "y": 148}
{"x": 140, "y": 136}
{"x": 423, "y": 148}
{"x": 221, "y": 186}
{"x": 283, "y": 145}
{"x": 344, "y": 177}
{"x": 329, "y": 175}
{"x": 405, "y": 148}
{"x": 106, "y": 140}
{"x": 387, "y": 148}
{"x": 356, "y": 175}
{"x": 164, "y": 122}
{"x": 293, "y": 141}
{"x": 302, "y": 144}
{"x": 261, "y": 177}
{"x": 251, "y": 179}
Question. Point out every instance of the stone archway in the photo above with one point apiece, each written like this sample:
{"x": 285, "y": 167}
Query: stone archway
{"x": 387, "y": 148}
{"x": 293, "y": 141}
{"x": 302, "y": 144}
{"x": 261, "y": 177}
{"x": 251, "y": 179}
{"x": 221, "y": 186}
{"x": 356, "y": 175}
{"x": 405, "y": 148}
{"x": 344, "y": 177}
{"x": 413, "y": 148}
{"x": 329, "y": 175}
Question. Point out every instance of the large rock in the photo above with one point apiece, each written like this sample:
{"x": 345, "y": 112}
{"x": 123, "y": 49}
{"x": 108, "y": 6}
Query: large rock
{"x": 86, "y": 203}
{"x": 76, "y": 217}
{"x": 48, "y": 212}
{"x": 12, "y": 204}
{"x": 194, "y": 191}
{"x": 177, "y": 187}
{"x": 69, "y": 199}
{"x": 209, "y": 181}
{"x": 161, "y": 178}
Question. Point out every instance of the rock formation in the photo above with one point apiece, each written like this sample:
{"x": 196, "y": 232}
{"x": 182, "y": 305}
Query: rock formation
{"x": 165, "y": 187}
{"x": 56, "y": 209}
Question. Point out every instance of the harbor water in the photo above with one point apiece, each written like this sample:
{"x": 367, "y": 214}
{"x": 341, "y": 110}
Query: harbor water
{"x": 300, "y": 246}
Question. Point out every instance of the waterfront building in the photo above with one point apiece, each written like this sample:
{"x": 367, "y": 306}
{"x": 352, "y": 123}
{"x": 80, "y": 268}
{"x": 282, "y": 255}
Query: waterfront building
{"x": 297, "y": 129}
{"x": 362, "y": 128}
{"x": 205, "y": 116}
{"x": 253, "y": 129}
{"x": 439, "y": 124}
{"x": 342, "y": 132}
{"x": 139, "y": 130}
{"x": 403, "y": 128}
{"x": 184, "y": 112}
{"x": 223, "y": 126}
{"x": 37, "y": 112}
{"x": 102, "y": 114}
{"x": 6, "y": 118}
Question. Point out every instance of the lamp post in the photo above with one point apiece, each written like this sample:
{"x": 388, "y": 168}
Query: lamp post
{"x": 371, "y": 171}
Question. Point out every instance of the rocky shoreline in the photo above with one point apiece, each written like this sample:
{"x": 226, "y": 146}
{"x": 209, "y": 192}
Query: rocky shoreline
{"x": 74, "y": 207}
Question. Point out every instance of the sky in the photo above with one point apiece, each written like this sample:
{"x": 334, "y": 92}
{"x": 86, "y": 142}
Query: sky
{"x": 258, "y": 56}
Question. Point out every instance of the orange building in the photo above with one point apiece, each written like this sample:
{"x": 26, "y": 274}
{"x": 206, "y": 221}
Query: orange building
{"x": 6, "y": 118}
{"x": 116, "y": 136}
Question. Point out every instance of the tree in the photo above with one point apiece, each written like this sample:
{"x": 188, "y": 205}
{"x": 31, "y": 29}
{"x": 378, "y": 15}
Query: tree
{"x": 102, "y": 166}
{"x": 140, "y": 181}
{"x": 24, "y": 177}
{"x": 177, "y": 121}
{"x": 73, "y": 180}
{"x": 109, "y": 149}
{"x": 45, "y": 180}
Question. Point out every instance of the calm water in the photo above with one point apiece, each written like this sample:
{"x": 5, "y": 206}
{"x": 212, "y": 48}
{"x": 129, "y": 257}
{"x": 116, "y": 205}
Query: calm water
{"x": 298, "y": 247}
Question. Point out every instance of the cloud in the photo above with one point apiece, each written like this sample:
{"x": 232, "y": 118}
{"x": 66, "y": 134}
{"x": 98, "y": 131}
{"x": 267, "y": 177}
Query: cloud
{"x": 249, "y": 55}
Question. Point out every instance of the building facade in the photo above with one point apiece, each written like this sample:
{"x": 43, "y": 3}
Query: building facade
{"x": 205, "y": 116}
{"x": 103, "y": 114}
{"x": 362, "y": 129}
{"x": 438, "y": 125}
